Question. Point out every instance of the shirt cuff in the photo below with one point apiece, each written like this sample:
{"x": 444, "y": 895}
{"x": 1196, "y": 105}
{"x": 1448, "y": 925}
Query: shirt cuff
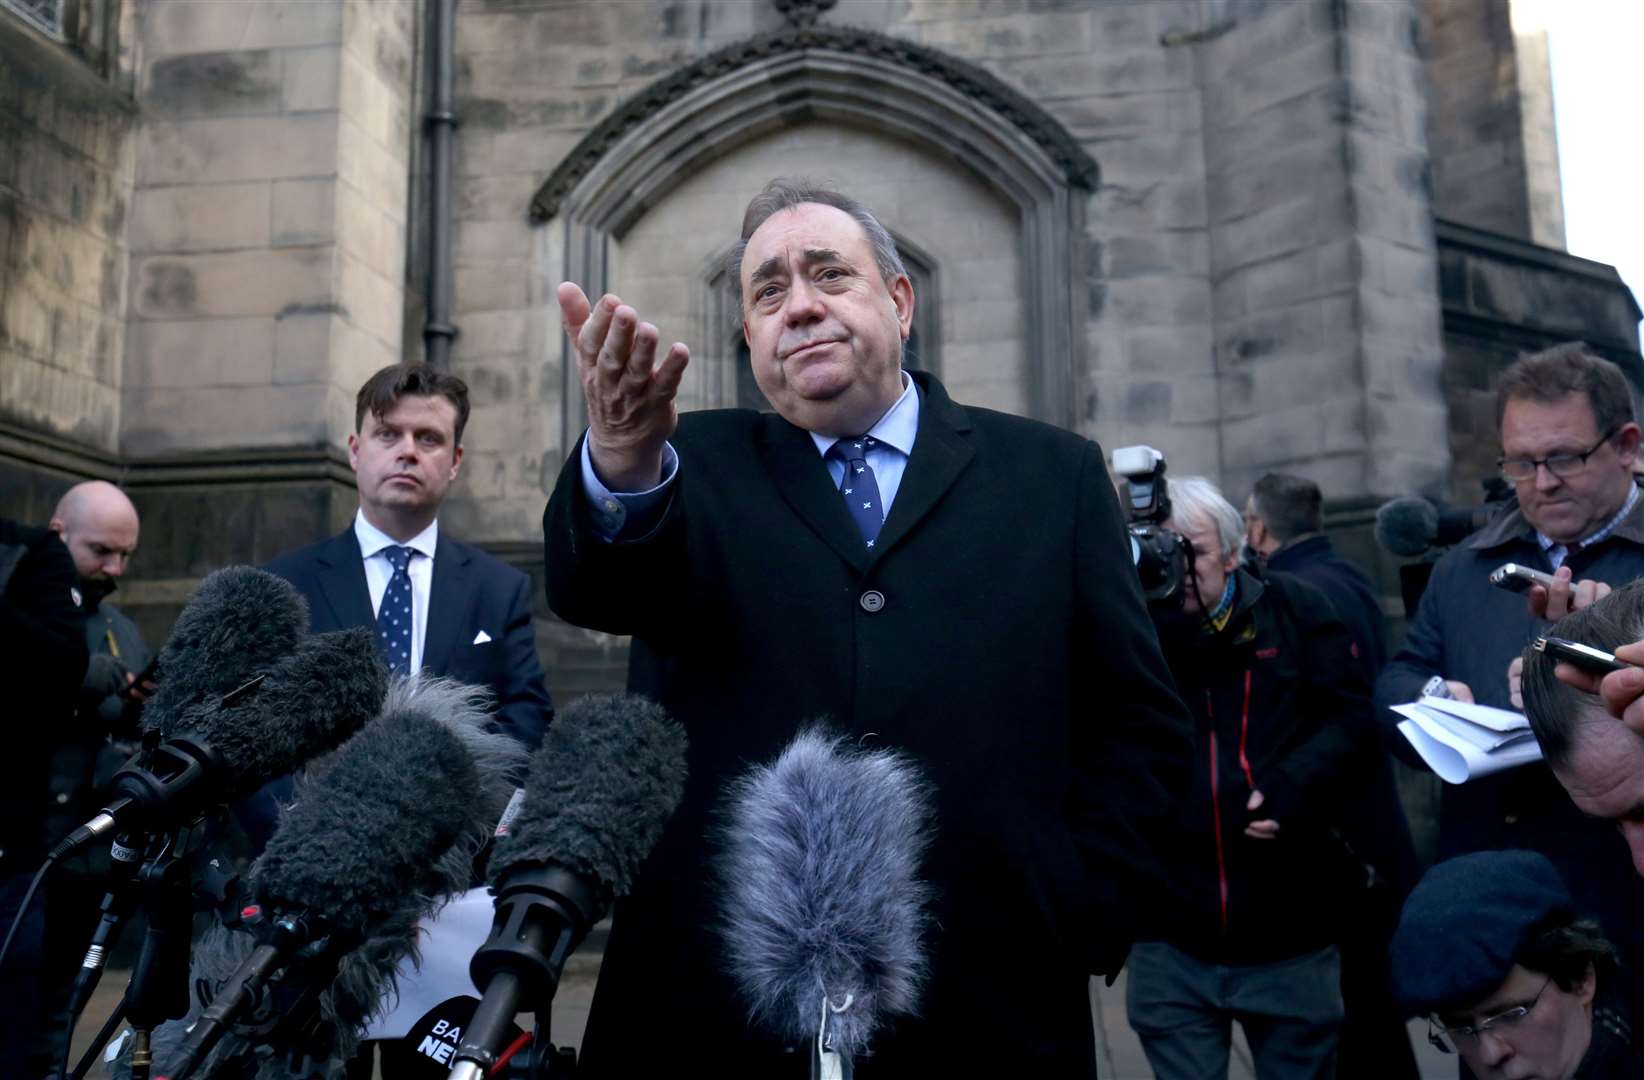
{"x": 623, "y": 515}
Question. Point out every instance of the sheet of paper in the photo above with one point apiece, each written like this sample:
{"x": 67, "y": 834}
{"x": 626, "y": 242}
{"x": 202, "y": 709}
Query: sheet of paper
{"x": 1454, "y": 759}
{"x": 1484, "y": 738}
{"x": 1483, "y": 715}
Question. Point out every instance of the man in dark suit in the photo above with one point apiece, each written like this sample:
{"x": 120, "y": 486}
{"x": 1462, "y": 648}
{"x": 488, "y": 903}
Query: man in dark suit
{"x": 950, "y": 581}
{"x": 439, "y": 605}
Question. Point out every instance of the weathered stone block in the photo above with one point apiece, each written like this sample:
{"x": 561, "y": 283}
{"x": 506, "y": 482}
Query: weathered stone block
{"x": 300, "y": 347}
{"x": 367, "y": 233}
{"x": 303, "y": 212}
{"x": 378, "y": 109}
{"x": 1097, "y": 115}
{"x": 256, "y": 282}
{"x": 170, "y": 354}
{"x": 247, "y": 148}
{"x": 311, "y": 79}
{"x": 1159, "y": 300}
{"x": 493, "y": 241}
{"x": 1261, "y": 83}
{"x": 184, "y": 26}
{"x": 374, "y": 301}
{"x": 1134, "y": 69}
{"x": 213, "y": 84}
{"x": 373, "y": 172}
{"x": 193, "y": 217}
{"x": 42, "y": 396}
{"x": 1161, "y": 252}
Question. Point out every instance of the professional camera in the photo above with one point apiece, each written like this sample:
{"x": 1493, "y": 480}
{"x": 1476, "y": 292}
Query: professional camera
{"x": 1162, "y": 557}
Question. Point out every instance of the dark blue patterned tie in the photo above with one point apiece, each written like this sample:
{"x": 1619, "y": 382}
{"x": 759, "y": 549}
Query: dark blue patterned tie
{"x": 394, "y": 615}
{"x": 859, "y": 488}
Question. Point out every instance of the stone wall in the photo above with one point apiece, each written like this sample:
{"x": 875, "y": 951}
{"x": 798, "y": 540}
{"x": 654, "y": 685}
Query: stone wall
{"x": 66, "y": 125}
{"x": 268, "y": 222}
{"x": 1490, "y": 128}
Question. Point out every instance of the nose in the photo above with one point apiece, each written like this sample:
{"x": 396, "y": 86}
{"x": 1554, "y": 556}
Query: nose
{"x": 1545, "y": 480}
{"x": 1634, "y": 832}
{"x": 804, "y": 303}
{"x": 114, "y": 565}
{"x": 1492, "y": 1049}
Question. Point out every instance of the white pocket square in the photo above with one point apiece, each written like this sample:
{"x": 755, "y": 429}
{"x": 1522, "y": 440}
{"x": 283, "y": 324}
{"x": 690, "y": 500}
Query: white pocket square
{"x": 481, "y": 638}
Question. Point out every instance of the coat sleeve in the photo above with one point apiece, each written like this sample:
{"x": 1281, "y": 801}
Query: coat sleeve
{"x": 1130, "y": 733}
{"x": 42, "y": 626}
{"x": 618, "y": 587}
{"x": 1418, "y": 660}
{"x": 523, "y": 706}
{"x": 1306, "y": 785}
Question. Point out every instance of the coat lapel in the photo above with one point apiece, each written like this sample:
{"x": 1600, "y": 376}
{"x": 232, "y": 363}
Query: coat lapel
{"x": 342, "y": 584}
{"x": 448, "y": 599}
{"x": 800, "y": 474}
{"x": 941, "y": 451}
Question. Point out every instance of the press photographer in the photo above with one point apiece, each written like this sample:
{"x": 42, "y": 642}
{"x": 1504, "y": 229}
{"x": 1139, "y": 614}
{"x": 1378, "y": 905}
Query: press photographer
{"x": 1264, "y": 879}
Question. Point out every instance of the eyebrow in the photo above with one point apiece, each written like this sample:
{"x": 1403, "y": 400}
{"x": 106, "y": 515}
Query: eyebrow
{"x": 772, "y": 266}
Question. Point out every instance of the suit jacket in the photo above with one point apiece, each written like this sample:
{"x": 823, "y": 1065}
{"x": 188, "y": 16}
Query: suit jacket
{"x": 997, "y": 634}
{"x": 471, "y": 591}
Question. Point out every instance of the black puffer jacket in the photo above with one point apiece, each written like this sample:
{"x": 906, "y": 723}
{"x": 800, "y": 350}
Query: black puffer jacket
{"x": 1281, "y": 707}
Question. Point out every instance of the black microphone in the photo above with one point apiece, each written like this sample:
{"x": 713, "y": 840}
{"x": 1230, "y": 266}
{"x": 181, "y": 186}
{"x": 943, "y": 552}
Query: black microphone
{"x": 239, "y": 622}
{"x": 380, "y": 833}
{"x": 220, "y": 749}
{"x": 1411, "y": 526}
{"x": 823, "y": 905}
{"x": 610, "y": 773}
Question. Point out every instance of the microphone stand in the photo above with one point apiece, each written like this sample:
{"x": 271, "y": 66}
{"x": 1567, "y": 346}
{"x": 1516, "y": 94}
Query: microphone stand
{"x": 158, "y": 990}
{"x": 542, "y": 916}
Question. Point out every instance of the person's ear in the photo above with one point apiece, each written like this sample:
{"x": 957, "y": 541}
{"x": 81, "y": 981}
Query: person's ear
{"x": 1626, "y": 444}
{"x": 901, "y": 292}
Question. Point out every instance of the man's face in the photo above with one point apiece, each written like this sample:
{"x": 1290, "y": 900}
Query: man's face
{"x": 1547, "y": 1044}
{"x": 1570, "y": 507}
{"x": 1210, "y": 566}
{"x": 823, "y": 329}
{"x": 405, "y": 460}
{"x": 101, "y": 539}
{"x": 1255, "y": 530}
{"x": 1604, "y": 774}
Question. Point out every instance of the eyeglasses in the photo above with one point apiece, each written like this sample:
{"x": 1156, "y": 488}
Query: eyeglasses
{"x": 1470, "y": 1033}
{"x": 1560, "y": 465}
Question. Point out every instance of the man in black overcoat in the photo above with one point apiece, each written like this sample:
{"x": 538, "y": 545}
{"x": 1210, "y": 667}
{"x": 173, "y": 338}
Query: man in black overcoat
{"x": 989, "y": 625}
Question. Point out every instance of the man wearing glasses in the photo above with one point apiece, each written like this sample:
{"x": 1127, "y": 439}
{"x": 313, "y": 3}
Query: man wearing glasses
{"x": 1569, "y": 442}
{"x": 1490, "y": 949}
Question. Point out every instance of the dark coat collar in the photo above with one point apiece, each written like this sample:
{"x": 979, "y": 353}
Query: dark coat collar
{"x": 941, "y": 451}
{"x": 1511, "y": 526}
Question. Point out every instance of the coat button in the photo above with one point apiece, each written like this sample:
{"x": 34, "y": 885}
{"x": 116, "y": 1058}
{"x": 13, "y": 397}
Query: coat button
{"x": 62, "y": 798}
{"x": 872, "y": 601}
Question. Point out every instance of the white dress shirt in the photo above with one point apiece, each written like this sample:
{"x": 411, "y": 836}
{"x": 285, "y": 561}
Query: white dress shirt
{"x": 630, "y": 515}
{"x": 378, "y": 569}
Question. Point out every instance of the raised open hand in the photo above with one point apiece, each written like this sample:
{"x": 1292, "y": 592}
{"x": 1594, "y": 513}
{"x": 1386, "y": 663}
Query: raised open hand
{"x": 630, "y": 395}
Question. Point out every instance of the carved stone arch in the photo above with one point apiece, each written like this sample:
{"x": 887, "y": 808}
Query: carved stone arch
{"x": 915, "y": 94}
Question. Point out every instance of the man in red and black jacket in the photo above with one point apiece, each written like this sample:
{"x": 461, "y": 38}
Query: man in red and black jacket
{"x": 1260, "y": 867}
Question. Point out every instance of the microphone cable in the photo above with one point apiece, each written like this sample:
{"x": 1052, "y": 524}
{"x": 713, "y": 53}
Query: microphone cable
{"x": 23, "y": 908}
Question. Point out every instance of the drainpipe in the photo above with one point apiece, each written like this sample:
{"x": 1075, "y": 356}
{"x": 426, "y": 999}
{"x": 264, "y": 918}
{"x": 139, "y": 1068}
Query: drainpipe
{"x": 440, "y": 124}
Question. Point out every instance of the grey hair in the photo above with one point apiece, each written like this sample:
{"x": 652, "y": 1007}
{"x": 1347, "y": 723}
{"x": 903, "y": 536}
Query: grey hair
{"x": 785, "y": 194}
{"x": 1196, "y": 499}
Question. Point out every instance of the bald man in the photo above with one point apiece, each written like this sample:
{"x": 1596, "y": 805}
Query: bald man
{"x": 99, "y": 526}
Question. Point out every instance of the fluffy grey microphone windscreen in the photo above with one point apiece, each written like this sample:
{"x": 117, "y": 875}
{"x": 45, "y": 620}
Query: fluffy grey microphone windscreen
{"x": 238, "y": 623}
{"x": 610, "y": 773}
{"x": 822, "y": 893}
{"x": 309, "y": 703}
